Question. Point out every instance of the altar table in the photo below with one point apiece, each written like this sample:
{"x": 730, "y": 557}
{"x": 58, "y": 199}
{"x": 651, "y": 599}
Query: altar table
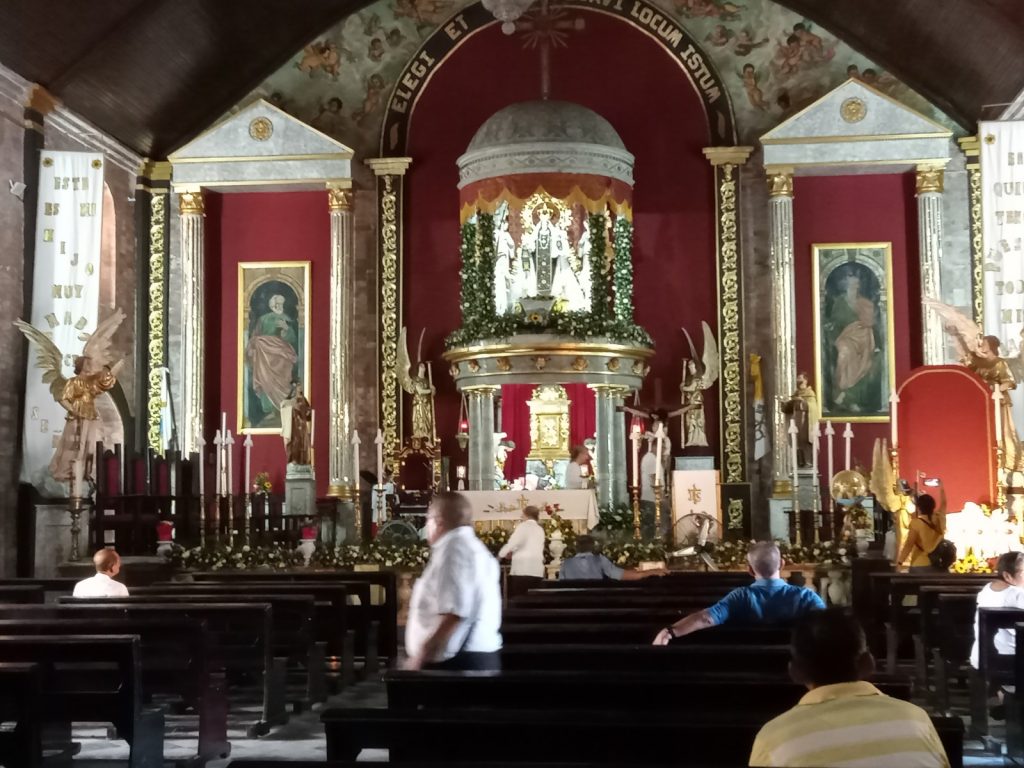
{"x": 493, "y": 506}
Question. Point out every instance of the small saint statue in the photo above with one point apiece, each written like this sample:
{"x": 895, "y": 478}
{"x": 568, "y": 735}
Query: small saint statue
{"x": 95, "y": 372}
{"x": 803, "y": 408}
{"x": 697, "y": 377}
{"x": 421, "y": 387}
{"x": 296, "y": 414}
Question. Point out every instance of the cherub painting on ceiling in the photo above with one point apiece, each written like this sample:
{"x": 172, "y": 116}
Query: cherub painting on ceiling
{"x": 426, "y": 13}
{"x": 715, "y": 9}
{"x": 323, "y": 56}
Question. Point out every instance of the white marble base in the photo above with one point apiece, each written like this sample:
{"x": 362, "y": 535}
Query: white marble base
{"x": 53, "y": 539}
{"x": 300, "y": 490}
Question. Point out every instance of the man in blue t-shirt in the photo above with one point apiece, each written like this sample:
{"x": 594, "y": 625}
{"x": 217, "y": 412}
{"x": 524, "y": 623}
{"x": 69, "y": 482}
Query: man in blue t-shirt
{"x": 769, "y": 600}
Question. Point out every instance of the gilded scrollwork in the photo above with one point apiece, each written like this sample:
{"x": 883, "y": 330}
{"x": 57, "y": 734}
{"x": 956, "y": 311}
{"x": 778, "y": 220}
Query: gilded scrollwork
{"x": 729, "y": 328}
{"x": 977, "y": 248}
{"x": 157, "y": 319}
{"x": 389, "y": 393}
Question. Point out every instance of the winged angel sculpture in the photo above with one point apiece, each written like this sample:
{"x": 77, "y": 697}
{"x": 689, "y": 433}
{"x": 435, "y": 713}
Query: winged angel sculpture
{"x": 980, "y": 353}
{"x": 95, "y": 373}
{"x": 697, "y": 377}
{"x": 420, "y": 386}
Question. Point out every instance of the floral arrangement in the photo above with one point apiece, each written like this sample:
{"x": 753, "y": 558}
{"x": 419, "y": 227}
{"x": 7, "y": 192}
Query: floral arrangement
{"x": 237, "y": 557}
{"x": 409, "y": 556}
{"x": 628, "y": 553}
{"x": 615, "y": 517}
{"x": 733, "y": 554}
{"x": 262, "y": 483}
{"x": 494, "y": 539}
{"x": 622, "y": 270}
{"x": 858, "y": 518}
{"x": 970, "y": 563}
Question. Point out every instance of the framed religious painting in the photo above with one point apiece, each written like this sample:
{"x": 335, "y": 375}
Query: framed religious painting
{"x": 273, "y": 341}
{"x": 854, "y": 360}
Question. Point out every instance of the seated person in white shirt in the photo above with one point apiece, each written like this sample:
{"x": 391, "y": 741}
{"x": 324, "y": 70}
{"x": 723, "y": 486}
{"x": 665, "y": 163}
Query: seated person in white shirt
{"x": 1004, "y": 591}
{"x": 455, "y": 612}
{"x": 575, "y": 480}
{"x": 108, "y": 565}
{"x": 526, "y": 548}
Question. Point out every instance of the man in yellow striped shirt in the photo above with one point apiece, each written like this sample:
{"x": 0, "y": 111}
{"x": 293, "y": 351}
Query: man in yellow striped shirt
{"x": 844, "y": 721}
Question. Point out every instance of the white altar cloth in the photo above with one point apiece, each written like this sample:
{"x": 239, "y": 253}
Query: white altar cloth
{"x": 509, "y": 505}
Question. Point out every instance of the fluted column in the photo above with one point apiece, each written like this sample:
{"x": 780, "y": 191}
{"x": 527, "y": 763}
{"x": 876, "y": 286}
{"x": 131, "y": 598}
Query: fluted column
{"x": 339, "y": 204}
{"x": 481, "y": 438}
{"x": 929, "y": 236}
{"x": 191, "y": 214}
{"x": 611, "y": 445}
{"x": 620, "y": 489}
{"x": 780, "y": 203}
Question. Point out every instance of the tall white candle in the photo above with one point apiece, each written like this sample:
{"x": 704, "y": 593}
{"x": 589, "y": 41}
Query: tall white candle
{"x": 815, "y": 435}
{"x": 218, "y": 443}
{"x": 829, "y": 434}
{"x": 230, "y": 485}
{"x": 202, "y": 466}
{"x": 894, "y": 401}
{"x": 248, "y": 463}
{"x": 997, "y": 401}
{"x": 848, "y": 437}
{"x": 379, "y": 440}
{"x": 635, "y": 439}
{"x": 659, "y": 472}
{"x": 355, "y": 459}
{"x": 793, "y": 431}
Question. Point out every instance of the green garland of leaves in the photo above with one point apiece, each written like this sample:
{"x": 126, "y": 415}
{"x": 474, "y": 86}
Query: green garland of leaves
{"x": 485, "y": 262}
{"x": 599, "y": 277}
{"x": 623, "y": 270}
{"x": 471, "y": 310}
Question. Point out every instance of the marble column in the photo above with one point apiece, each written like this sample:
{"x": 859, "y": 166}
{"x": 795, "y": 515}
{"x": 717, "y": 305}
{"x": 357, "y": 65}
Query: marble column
{"x": 481, "y": 438}
{"x": 191, "y": 214}
{"x": 341, "y": 482}
{"x": 390, "y": 173}
{"x": 929, "y": 235}
{"x": 611, "y": 445}
{"x": 780, "y": 203}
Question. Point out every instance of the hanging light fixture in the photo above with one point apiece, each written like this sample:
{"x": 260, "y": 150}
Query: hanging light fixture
{"x": 507, "y": 12}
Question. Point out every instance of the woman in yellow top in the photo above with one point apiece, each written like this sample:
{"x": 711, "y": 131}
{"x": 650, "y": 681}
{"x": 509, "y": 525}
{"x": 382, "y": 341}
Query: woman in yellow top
{"x": 927, "y": 528}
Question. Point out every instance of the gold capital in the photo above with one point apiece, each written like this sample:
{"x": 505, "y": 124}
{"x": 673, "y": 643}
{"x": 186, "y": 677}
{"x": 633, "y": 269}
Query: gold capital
{"x": 389, "y": 166}
{"x": 191, "y": 203}
{"x": 41, "y": 100}
{"x": 727, "y": 155}
{"x": 155, "y": 170}
{"x": 780, "y": 183}
{"x": 970, "y": 145}
{"x": 929, "y": 180}
{"x": 339, "y": 199}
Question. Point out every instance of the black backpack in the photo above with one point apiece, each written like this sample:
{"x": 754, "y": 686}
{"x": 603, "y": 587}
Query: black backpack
{"x": 944, "y": 554}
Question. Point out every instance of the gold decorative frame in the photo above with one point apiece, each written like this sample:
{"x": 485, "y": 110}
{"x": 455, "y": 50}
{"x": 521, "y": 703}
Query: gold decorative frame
{"x": 297, "y": 278}
{"x": 877, "y": 257}
{"x": 157, "y": 318}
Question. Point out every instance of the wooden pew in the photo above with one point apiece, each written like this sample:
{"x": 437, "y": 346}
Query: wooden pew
{"x": 994, "y": 669}
{"x": 175, "y": 662}
{"x": 22, "y": 593}
{"x": 239, "y": 640}
{"x": 559, "y": 601}
{"x": 674, "y": 581}
{"x": 633, "y": 633}
{"x": 1013, "y": 701}
{"x": 707, "y": 659}
{"x": 260, "y": 763}
{"x": 927, "y": 640}
{"x": 955, "y": 629}
{"x": 20, "y": 690}
{"x": 611, "y": 737}
{"x": 384, "y": 614}
{"x": 93, "y": 678}
{"x": 650, "y": 691}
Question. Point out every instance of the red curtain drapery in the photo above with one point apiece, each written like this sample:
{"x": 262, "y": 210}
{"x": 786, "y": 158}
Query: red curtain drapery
{"x": 515, "y": 420}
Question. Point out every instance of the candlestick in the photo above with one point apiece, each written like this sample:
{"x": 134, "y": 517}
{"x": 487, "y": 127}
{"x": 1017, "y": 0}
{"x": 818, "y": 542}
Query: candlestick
{"x": 379, "y": 441}
{"x": 848, "y": 437}
{"x": 218, "y": 442}
{"x": 634, "y": 437}
{"x": 894, "y": 401}
{"x": 816, "y": 499}
{"x": 636, "y": 511}
{"x": 657, "y": 510}
{"x": 793, "y": 431}
{"x": 357, "y": 497}
{"x": 829, "y": 434}
{"x": 355, "y": 460}
{"x": 202, "y": 467}
{"x": 246, "y": 489}
{"x": 229, "y": 489}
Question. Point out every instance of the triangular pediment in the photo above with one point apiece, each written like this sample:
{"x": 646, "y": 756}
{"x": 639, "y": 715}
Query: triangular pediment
{"x": 260, "y": 130}
{"x": 851, "y": 111}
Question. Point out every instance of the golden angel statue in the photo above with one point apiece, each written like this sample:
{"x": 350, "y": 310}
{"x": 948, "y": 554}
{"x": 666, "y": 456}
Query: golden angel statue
{"x": 95, "y": 373}
{"x": 296, "y": 414}
{"x": 887, "y": 492}
{"x": 420, "y": 386}
{"x": 697, "y": 377}
{"x": 980, "y": 353}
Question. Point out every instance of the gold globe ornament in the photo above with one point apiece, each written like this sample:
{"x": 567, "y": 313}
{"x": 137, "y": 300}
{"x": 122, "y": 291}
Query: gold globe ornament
{"x": 848, "y": 486}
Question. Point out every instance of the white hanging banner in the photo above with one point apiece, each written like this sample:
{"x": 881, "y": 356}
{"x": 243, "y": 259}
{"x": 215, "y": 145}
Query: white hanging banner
{"x": 65, "y": 293}
{"x": 1002, "y": 204}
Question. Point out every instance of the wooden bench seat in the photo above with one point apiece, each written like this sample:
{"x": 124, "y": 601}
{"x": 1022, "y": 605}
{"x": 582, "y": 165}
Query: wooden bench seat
{"x": 711, "y": 659}
{"x": 175, "y": 663}
{"x": 634, "y": 633}
{"x": 20, "y": 691}
{"x": 22, "y": 593}
{"x": 93, "y": 678}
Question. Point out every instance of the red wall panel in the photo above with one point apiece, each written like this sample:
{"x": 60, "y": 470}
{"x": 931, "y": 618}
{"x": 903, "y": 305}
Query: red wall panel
{"x": 674, "y": 254}
{"x": 843, "y": 209}
{"x": 265, "y": 226}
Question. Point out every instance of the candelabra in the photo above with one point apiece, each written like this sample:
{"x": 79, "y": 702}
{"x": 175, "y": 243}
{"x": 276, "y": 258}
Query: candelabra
{"x": 76, "y": 505}
{"x": 817, "y": 509}
{"x": 796, "y": 508}
{"x": 248, "y": 518}
{"x": 636, "y": 512}
{"x": 231, "y": 519}
{"x": 202, "y": 519}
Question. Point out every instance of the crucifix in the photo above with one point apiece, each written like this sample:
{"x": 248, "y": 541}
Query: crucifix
{"x": 545, "y": 29}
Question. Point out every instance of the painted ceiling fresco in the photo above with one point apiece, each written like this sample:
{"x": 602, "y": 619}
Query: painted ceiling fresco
{"x": 774, "y": 62}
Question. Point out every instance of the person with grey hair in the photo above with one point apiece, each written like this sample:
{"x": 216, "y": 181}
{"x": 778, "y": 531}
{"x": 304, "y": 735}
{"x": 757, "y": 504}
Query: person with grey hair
{"x": 455, "y": 612}
{"x": 102, "y": 584}
{"x": 587, "y": 565}
{"x": 769, "y": 600}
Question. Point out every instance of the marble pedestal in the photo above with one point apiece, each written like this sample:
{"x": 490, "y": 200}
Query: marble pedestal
{"x": 53, "y": 540}
{"x": 300, "y": 491}
{"x": 779, "y": 507}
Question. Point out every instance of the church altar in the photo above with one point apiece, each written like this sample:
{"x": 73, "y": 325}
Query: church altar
{"x": 495, "y": 506}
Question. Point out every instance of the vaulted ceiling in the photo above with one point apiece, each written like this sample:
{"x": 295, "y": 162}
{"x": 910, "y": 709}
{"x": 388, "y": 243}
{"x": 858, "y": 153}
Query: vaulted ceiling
{"x": 154, "y": 73}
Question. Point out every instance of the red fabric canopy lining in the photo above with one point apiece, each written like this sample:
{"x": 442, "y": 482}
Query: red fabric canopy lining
{"x": 515, "y": 420}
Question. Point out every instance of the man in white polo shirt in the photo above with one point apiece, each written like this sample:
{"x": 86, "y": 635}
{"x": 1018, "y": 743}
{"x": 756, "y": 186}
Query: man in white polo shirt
{"x": 108, "y": 565}
{"x": 526, "y": 548}
{"x": 455, "y": 612}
